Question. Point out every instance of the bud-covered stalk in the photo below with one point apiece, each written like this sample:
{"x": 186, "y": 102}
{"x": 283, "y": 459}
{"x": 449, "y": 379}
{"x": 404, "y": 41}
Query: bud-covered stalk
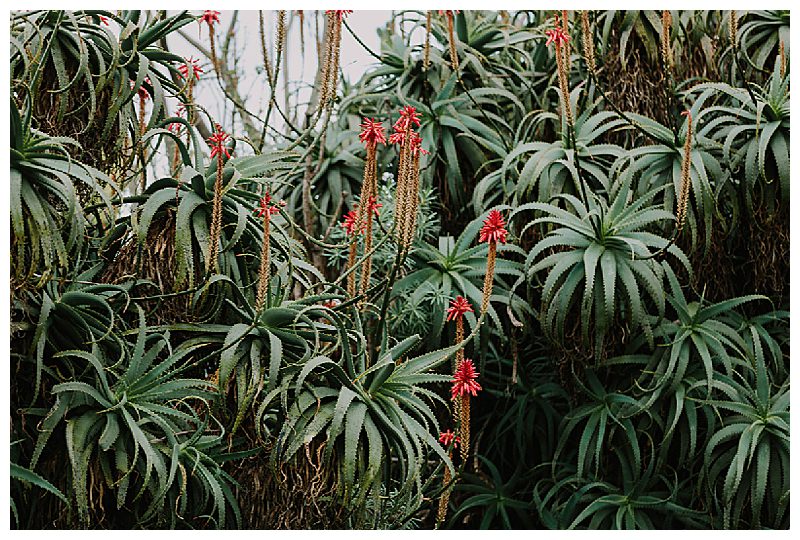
{"x": 686, "y": 177}
{"x": 560, "y": 38}
{"x": 666, "y": 47}
{"x": 492, "y": 232}
{"x": 218, "y": 150}
{"x": 465, "y": 384}
{"x": 211, "y": 17}
{"x": 449, "y": 14}
{"x": 446, "y": 438}
{"x": 588, "y": 43}
{"x": 265, "y": 210}
{"x": 426, "y": 59}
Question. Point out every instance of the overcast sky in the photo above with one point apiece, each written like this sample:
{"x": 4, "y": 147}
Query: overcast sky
{"x": 301, "y": 68}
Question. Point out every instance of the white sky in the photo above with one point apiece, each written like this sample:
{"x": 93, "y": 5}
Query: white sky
{"x": 301, "y": 68}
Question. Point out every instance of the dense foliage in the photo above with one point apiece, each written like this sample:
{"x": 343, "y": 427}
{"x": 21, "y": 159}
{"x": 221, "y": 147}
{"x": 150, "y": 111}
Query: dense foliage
{"x": 529, "y": 271}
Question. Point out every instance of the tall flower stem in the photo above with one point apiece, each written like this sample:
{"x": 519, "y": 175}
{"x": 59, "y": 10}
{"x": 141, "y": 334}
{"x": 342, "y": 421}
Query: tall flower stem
{"x": 263, "y": 271}
{"x": 426, "y": 59}
{"x": 441, "y": 512}
{"x": 488, "y": 280}
{"x": 216, "y": 220}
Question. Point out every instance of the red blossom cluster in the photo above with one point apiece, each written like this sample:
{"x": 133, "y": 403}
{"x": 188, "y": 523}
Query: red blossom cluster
{"x": 494, "y": 228}
{"x": 373, "y": 206}
{"x": 465, "y": 380}
{"x": 447, "y": 437}
{"x": 458, "y": 308}
{"x": 217, "y": 141}
{"x": 349, "y": 222}
{"x": 556, "y": 35}
{"x": 210, "y": 17}
{"x": 372, "y": 132}
{"x": 266, "y": 207}
{"x": 103, "y": 20}
{"x": 404, "y": 127}
{"x": 190, "y": 65}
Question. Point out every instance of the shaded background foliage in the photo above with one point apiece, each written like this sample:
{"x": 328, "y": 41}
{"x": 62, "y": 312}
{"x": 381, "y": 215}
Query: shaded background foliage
{"x": 635, "y": 375}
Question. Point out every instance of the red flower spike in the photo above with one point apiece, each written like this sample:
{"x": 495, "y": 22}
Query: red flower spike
{"x": 447, "y": 437}
{"x": 349, "y": 222}
{"x": 190, "y": 64}
{"x": 103, "y": 20}
{"x": 556, "y": 35}
{"x": 464, "y": 380}
{"x": 266, "y": 207}
{"x": 458, "y": 308}
{"x": 340, "y": 13}
{"x": 494, "y": 228}
{"x": 408, "y": 117}
{"x": 210, "y": 17}
{"x": 372, "y": 132}
{"x": 217, "y": 141}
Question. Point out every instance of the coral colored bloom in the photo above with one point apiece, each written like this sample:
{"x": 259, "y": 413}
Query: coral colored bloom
{"x": 210, "y": 17}
{"x": 349, "y": 222}
{"x": 373, "y": 206}
{"x": 408, "y": 117}
{"x": 217, "y": 141}
{"x": 372, "y": 132}
{"x": 556, "y": 35}
{"x": 340, "y": 13}
{"x": 458, "y": 308}
{"x": 103, "y": 20}
{"x": 494, "y": 228}
{"x": 267, "y": 207}
{"x": 464, "y": 380}
{"x": 447, "y": 437}
{"x": 416, "y": 145}
{"x": 190, "y": 64}
{"x": 397, "y": 137}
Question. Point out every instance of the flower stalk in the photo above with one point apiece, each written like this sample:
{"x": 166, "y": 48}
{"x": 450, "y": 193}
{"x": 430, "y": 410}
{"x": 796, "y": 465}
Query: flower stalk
{"x": 426, "y": 58}
{"x": 446, "y": 438}
{"x": 218, "y": 150}
{"x": 465, "y": 384}
{"x": 492, "y": 232}
{"x": 449, "y": 14}
{"x": 265, "y": 210}
{"x": 560, "y": 38}
{"x": 588, "y": 43}
{"x": 686, "y": 178}
{"x": 211, "y": 17}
